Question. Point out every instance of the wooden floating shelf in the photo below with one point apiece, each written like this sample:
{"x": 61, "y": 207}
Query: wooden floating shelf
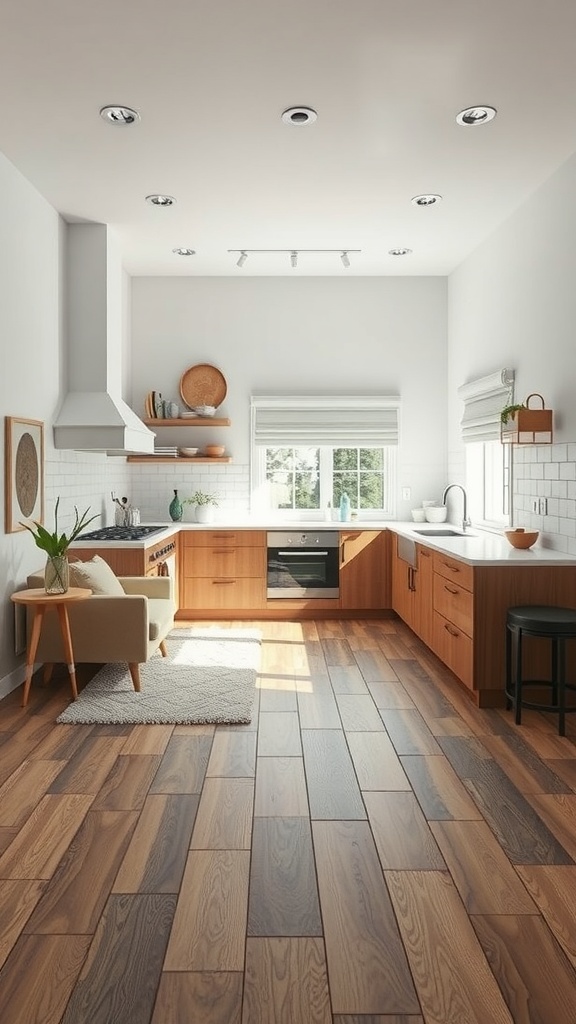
{"x": 190, "y": 421}
{"x": 179, "y": 458}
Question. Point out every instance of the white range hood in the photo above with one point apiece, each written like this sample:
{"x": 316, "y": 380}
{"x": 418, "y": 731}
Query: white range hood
{"x": 93, "y": 415}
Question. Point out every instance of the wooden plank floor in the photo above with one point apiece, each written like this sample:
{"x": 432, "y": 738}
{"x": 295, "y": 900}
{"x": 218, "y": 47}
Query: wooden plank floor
{"x": 370, "y": 849}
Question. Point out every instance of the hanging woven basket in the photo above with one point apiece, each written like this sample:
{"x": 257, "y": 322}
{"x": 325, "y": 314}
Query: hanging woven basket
{"x": 528, "y": 426}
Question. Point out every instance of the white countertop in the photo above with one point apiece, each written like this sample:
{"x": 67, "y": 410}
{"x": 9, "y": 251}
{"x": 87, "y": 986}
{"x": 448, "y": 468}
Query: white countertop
{"x": 477, "y": 547}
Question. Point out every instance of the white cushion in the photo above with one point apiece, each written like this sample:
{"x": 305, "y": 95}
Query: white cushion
{"x": 97, "y": 576}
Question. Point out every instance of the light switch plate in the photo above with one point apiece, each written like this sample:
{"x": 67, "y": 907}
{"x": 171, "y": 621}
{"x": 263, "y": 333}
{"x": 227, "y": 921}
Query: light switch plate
{"x": 536, "y": 505}
{"x": 406, "y": 492}
{"x": 543, "y": 506}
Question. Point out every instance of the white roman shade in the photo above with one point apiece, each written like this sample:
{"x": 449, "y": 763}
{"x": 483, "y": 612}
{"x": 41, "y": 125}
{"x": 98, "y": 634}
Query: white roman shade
{"x": 484, "y": 400}
{"x": 337, "y": 421}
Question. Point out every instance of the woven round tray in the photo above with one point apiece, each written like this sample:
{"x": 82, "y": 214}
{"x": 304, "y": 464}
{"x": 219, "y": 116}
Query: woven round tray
{"x": 203, "y": 385}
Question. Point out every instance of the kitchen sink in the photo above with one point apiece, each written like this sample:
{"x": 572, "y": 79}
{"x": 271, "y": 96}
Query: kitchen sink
{"x": 444, "y": 533}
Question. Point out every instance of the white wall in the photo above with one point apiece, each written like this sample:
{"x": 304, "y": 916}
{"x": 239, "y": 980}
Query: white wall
{"x": 32, "y": 381}
{"x": 304, "y": 335}
{"x": 512, "y": 303}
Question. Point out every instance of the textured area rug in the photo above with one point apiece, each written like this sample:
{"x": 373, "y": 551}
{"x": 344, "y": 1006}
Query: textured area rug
{"x": 208, "y": 676}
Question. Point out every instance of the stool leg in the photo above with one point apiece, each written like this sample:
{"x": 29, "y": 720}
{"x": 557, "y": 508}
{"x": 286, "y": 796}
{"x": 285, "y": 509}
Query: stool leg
{"x": 555, "y": 651}
{"x": 561, "y": 687}
{"x": 518, "y": 679}
{"x": 509, "y": 702}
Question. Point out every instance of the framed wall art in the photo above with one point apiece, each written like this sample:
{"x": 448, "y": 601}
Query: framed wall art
{"x": 24, "y": 472}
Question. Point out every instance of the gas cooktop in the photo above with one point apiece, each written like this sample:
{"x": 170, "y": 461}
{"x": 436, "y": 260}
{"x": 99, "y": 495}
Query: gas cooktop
{"x": 121, "y": 533}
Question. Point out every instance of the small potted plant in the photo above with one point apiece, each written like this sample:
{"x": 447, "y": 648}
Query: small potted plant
{"x": 509, "y": 411}
{"x": 56, "y": 573}
{"x": 204, "y": 505}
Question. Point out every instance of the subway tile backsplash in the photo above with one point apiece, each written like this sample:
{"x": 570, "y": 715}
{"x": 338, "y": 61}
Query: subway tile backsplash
{"x": 547, "y": 471}
{"x": 152, "y": 487}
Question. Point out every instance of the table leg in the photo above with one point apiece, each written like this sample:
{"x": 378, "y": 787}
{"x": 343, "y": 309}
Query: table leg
{"x": 33, "y": 647}
{"x": 67, "y": 640}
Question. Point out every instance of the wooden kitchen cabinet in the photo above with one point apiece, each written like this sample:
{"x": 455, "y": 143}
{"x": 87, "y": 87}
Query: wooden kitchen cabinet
{"x": 222, "y": 570}
{"x": 453, "y": 619}
{"x": 459, "y": 611}
{"x": 412, "y": 590}
{"x": 403, "y": 585}
{"x": 364, "y": 573}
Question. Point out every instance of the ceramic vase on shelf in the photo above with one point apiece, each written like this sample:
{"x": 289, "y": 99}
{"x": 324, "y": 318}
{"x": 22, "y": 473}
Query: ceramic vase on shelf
{"x": 57, "y": 575}
{"x": 175, "y": 509}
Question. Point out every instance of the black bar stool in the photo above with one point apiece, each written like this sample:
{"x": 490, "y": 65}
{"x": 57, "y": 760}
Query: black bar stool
{"x": 557, "y": 625}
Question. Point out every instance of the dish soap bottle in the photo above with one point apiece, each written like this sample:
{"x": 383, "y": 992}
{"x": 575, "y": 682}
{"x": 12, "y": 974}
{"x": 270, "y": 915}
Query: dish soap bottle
{"x": 175, "y": 509}
{"x": 344, "y": 508}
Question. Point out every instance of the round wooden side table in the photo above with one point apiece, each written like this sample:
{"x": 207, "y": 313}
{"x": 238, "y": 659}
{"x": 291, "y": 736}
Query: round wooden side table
{"x": 40, "y": 601}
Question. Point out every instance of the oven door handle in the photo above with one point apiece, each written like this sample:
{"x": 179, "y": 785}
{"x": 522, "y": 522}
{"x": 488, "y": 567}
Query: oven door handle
{"x": 302, "y": 554}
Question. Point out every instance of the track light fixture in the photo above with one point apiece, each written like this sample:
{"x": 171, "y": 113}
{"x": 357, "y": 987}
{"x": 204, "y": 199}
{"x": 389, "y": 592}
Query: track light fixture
{"x": 294, "y": 254}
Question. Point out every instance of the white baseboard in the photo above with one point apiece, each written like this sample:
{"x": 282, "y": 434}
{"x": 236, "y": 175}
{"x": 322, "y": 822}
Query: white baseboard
{"x": 12, "y": 681}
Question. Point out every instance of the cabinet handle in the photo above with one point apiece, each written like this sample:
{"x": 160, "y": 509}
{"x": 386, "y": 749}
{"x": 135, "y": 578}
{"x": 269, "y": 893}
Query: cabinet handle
{"x": 222, "y": 536}
{"x": 451, "y": 590}
{"x": 343, "y": 557}
{"x": 425, "y": 553}
{"x": 219, "y": 583}
{"x": 453, "y": 632}
{"x": 223, "y": 551}
{"x": 453, "y": 568}
{"x": 411, "y": 578}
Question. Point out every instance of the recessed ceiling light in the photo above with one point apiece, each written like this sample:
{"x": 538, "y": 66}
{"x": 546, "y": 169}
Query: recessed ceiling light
{"x": 476, "y": 115}
{"x": 182, "y": 251}
{"x": 399, "y": 252}
{"x": 159, "y": 200}
{"x": 426, "y": 200}
{"x": 299, "y": 115}
{"x": 119, "y": 115}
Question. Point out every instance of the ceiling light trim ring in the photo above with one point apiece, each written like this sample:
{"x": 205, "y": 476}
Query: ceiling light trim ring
{"x": 476, "y": 115}
{"x": 426, "y": 199}
{"x": 299, "y": 116}
{"x": 400, "y": 251}
{"x": 160, "y": 199}
{"x": 119, "y": 114}
{"x": 184, "y": 251}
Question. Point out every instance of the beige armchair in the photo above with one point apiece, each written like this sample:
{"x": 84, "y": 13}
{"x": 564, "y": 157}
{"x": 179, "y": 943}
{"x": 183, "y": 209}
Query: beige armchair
{"x": 112, "y": 628}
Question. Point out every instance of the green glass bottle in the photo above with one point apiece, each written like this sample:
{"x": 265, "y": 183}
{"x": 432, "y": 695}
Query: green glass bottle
{"x": 176, "y": 508}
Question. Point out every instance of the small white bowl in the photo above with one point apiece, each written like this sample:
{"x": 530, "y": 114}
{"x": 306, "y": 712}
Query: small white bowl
{"x": 418, "y": 515}
{"x": 188, "y": 453}
{"x": 436, "y": 513}
{"x": 205, "y": 410}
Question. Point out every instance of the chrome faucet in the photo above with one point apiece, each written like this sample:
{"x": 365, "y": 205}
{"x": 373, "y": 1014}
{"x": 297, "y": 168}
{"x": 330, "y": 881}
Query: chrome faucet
{"x": 465, "y": 520}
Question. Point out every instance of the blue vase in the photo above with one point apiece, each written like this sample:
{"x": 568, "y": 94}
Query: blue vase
{"x": 344, "y": 508}
{"x": 176, "y": 509}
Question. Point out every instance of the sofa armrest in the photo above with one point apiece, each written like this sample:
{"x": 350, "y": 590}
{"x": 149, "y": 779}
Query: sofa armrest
{"x": 161, "y": 587}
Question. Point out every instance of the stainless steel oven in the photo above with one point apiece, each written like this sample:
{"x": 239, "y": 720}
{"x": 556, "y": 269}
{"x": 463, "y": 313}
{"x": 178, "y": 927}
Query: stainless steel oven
{"x": 303, "y": 565}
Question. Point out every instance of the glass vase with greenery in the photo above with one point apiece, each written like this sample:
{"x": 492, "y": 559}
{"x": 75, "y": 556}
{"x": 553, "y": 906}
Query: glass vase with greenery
{"x": 56, "y": 545}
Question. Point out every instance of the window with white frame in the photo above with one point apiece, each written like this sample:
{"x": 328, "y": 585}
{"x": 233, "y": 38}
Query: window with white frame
{"x": 308, "y": 451}
{"x": 488, "y": 461}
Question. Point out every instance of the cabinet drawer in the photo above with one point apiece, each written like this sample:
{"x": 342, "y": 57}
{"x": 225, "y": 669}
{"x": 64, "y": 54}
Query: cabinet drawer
{"x": 224, "y": 592}
{"x": 459, "y": 572}
{"x": 454, "y": 603}
{"x": 454, "y": 648}
{"x": 216, "y": 560}
{"x": 224, "y": 538}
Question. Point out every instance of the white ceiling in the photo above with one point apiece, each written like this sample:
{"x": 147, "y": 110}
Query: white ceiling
{"x": 211, "y": 78}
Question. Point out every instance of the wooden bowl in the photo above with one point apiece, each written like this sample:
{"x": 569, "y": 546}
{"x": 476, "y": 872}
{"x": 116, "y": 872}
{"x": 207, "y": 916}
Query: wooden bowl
{"x": 521, "y": 538}
{"x": 214, "y": 451}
